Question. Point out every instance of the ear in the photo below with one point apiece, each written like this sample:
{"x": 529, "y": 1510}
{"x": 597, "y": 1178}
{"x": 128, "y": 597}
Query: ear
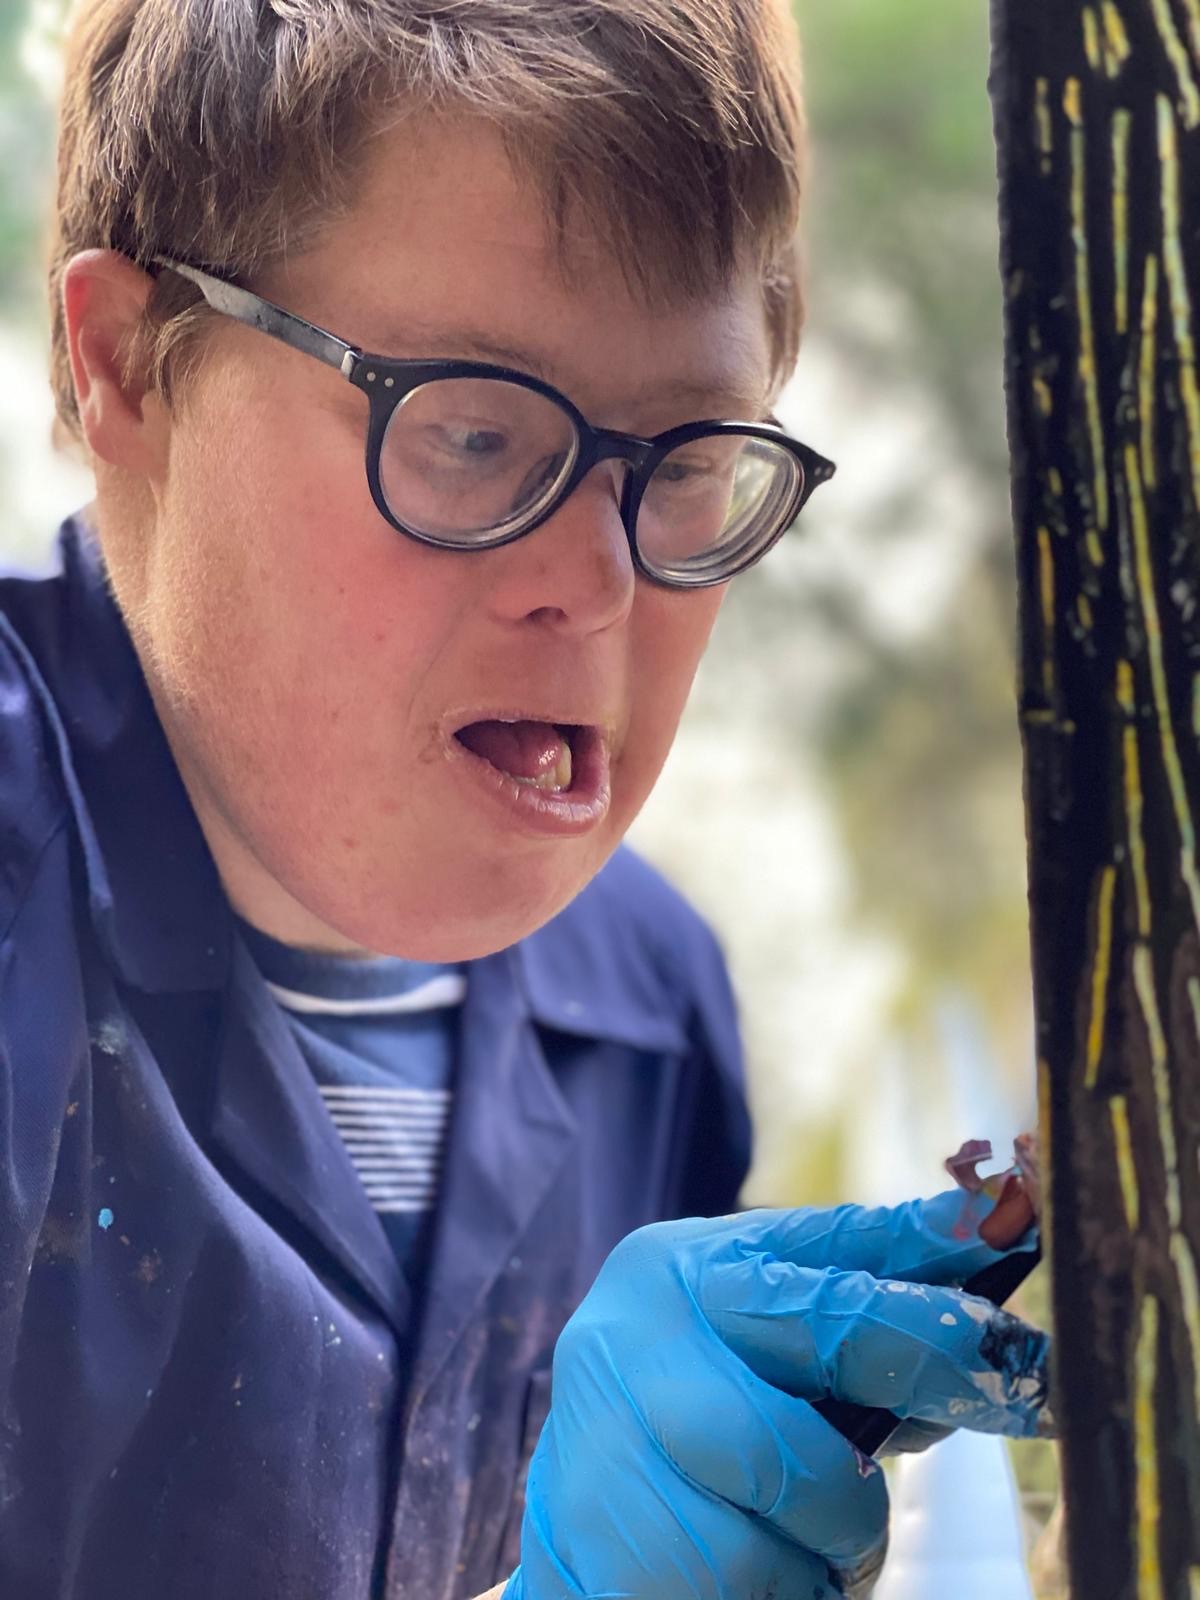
{"x": 104, "y": 299}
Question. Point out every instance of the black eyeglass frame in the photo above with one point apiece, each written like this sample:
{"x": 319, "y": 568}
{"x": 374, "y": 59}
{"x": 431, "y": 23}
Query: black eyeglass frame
{"x": 387, "y": 381}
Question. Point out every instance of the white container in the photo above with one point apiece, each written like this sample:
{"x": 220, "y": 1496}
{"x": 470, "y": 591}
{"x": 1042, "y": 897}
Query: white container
{"x": 956, "y": 1525}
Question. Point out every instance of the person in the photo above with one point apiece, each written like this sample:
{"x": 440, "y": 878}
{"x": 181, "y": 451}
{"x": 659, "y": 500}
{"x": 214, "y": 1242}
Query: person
{"x": 372, "y": 1118}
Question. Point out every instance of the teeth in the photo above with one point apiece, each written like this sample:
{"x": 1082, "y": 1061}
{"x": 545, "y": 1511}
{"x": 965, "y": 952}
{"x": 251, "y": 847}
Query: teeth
{"x": 556, "y": 779}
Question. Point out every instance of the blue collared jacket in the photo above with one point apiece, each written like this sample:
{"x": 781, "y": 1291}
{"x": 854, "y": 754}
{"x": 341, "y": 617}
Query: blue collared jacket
{"x": 214, "y": 1378}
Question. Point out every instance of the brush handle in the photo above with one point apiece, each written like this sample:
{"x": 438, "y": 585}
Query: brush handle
{"x": 870, "y": 1427}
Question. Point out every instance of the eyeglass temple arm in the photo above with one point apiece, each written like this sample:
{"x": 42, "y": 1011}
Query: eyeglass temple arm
{"x": 255, "y": 312}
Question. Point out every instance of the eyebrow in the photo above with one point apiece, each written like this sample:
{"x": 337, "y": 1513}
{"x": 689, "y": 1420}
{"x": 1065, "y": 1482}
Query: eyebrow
{"x": 734, "y": 393}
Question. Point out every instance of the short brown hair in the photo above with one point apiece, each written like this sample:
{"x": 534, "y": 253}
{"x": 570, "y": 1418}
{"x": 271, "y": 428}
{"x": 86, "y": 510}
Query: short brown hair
{"x": 225, "y": 132}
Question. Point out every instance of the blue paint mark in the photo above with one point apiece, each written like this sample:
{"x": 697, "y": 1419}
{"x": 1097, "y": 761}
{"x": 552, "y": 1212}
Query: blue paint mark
{"x": 1021, "y": 1355}
{"x": 105, "y": 1219}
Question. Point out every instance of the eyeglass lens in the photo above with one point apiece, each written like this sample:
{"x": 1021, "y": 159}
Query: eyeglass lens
{"x": 468, "y": 460}
{"x": 713, "y": 501}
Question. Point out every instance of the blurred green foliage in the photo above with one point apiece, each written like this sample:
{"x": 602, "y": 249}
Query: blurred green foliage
{"x": 905, "y": 181}
{"x": 919, "y": 739}
{"x": 26, "y": 163}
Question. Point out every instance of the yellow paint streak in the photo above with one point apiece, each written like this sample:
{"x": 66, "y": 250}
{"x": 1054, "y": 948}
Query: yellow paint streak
{"x": 1192, "y": 12}
{"x": 1189, "y": 1292}
{"x": 1134, "y": 806}
{"x": 1189, "y": 95}
{"x": 1101, "y": 967}
{"x": 1145, "y": 1453}
{"x": 1043, "y": 395}
{"x": 1181, "y": 305}
{"x": 1091, "y": 39}
{"x": 1116, "y": 39}
{"x": 1046, "y": 586}
{"x": 1045, "y": 123}
{"x": 1143, "y": 982}
{"x": 1185, "y": 1266}
{"x": 1073, "y": 104}
{"x": 1126, "y": 1170}
{"x": 1158, "y": 679}
{"x": 1056, "y": 483}
{"x": 1194, "y": 1583}
{"x": 1134, "y": 800}
{"x": 1094, "y": 548}
{"x": 1125, "y": 697}
{"x": 1084, "y": 607}
{"x": 1147, "y": 400}
{"x": 1045, "y": 1147}
{"x": 1122, "y": 124}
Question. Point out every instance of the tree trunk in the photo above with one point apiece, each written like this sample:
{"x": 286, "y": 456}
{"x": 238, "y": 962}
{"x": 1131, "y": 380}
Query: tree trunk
{"x": 1098, "y": 127}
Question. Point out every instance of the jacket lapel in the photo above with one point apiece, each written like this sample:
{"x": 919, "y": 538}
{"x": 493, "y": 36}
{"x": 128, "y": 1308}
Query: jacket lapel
{"x": 269, "y": 1118}
{"x": 509, "y": 1136}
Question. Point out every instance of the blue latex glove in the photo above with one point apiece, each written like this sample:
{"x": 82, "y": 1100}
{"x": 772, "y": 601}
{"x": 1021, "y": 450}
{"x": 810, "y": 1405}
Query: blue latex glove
{"x": 681, "y": 1457}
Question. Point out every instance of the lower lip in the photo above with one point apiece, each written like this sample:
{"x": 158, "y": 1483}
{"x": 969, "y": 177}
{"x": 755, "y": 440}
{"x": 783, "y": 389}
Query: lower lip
{"x": 574, "y": 811}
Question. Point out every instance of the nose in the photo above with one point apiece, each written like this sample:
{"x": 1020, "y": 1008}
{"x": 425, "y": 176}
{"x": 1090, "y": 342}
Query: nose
{"x": 575, "y": 573}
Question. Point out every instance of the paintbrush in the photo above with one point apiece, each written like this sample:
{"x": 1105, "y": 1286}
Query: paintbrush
{"x": 1018, "y": 1202}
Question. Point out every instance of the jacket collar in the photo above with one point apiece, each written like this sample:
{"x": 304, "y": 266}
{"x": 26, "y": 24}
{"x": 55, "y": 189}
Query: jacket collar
{"x": 583, "y": 974}
{"x": 155, "y": 897}
{"x": 262, "y": 1083}
{"x": 509, "y": 1138}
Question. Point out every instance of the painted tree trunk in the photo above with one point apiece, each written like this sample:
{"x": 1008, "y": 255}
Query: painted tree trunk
{"x": 1098, "y": 127}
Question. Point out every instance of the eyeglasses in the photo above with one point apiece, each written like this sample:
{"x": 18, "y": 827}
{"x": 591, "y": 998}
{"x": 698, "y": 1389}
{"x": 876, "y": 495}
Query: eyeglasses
{"x": 466, "y": 455}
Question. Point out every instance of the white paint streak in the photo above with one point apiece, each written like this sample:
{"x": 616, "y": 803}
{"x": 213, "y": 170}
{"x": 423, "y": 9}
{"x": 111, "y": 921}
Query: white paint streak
{"x": 978, "y": 1310}
{"x": 961, "y": 1408}
{"x": 110, "y": 1036}
{"x": 1002, "y": 1391}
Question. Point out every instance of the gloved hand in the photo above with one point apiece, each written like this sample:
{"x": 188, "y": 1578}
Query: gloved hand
{"x": 682, "y": 1458}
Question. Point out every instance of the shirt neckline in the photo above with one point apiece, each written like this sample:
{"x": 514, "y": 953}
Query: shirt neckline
{"x": 320, "y": 982}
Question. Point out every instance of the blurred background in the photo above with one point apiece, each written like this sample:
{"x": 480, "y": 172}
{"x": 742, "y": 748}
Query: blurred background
{"x": 844, "y": 800}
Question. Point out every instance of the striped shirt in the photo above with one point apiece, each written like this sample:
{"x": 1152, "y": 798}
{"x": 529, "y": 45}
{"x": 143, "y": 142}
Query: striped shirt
{"x": 379, "y": 1036}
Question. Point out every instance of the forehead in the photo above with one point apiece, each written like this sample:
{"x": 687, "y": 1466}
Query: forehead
{"x": 447, "y": 249}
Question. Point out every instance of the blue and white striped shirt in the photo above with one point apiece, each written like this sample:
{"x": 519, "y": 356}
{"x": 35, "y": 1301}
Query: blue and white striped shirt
{"x": 379, "y": 1036}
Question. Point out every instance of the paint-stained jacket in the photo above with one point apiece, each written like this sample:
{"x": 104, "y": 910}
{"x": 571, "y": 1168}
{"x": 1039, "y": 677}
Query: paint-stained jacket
{"x": 214, "y": 1378}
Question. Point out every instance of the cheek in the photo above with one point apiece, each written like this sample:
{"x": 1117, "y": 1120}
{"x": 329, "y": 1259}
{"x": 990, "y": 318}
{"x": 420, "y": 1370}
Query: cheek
{"x": 281, "y": 493}
{"x": 279, "y": 597}
{"x": 670, "y": 632}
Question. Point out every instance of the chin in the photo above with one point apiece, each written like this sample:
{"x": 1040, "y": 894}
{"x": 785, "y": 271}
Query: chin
{"x": 464, "y": 917}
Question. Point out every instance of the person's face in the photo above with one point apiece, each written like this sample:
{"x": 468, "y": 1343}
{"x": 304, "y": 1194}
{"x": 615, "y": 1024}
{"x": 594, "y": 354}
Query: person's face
{"x": 313, "y": 667}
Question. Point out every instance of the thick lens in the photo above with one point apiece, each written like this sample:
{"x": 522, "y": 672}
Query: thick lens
{"x": 712, "y": 504}
{"x": 469, "y": 460}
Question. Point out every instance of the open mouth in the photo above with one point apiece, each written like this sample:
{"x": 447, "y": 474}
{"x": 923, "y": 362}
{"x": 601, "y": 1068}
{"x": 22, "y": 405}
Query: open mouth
{"x": 538, "y": 755}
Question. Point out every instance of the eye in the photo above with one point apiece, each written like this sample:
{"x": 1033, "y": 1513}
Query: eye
{"x": 675, "y": 471}
{"x": 465, "y": 440}
{"x": 695, "y": 475}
